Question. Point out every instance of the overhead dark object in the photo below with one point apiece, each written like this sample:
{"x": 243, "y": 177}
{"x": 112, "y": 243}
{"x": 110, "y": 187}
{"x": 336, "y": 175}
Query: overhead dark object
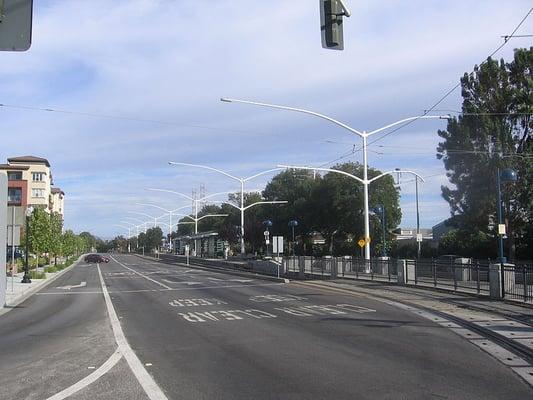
{"x": 331, "y": 13}
{"x": 15, "y": 24}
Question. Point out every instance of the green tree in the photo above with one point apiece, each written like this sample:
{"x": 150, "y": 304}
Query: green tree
{"x": 56, "y": 229}
{"x": 39, "y": 232}
{"x": 494, "y": 131}
{"x": 69, "y": 243}
{"x": 332, "y": 204}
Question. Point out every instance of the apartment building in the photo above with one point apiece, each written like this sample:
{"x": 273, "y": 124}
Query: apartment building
{"x": 29, "y": 184}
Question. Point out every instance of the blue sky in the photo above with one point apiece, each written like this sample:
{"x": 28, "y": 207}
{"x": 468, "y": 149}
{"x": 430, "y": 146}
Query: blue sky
{"x": 163, "y": 65}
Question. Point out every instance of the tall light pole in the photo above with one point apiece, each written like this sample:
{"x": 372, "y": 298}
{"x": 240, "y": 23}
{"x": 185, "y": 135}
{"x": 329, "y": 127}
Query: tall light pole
{"x": 129, "y": 234}
{"x": 170, "y": 213}
{"x": 131, "y": 226}
{"x": 418, "y": 237}
{"x": 380, "y": 209}
{"x": 506, "y": 175}
{"x": 366, "y": 183}
{"x": 195, "y": 219}
{"x": 144, "y": 215}
{"x": 293, "y": 223}
{"x": 140, "y": 221}
{"x": 364, "y": 135}
{"x": 196, "y": 202}
{"x": 242, "y": 181}
{"x": 26, "y": 277}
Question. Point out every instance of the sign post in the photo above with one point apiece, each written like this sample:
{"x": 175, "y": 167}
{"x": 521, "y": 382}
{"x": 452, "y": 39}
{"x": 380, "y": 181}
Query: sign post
{"x": 3, "y": 237}
{"x": 277, "y": 247}
{"x": 187, "y": 253}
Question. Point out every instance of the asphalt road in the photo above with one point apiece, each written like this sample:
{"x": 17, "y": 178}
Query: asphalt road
{"x": 210, "y": 335}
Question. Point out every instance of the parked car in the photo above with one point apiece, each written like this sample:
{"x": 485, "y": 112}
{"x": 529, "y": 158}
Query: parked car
{"x": 96, "y": 258}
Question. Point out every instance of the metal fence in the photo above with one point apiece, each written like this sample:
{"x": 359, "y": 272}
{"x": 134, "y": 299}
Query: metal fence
{"x": 518, "y": 282}
{"x": 341, "y": 267}
{"x": 462, "y": 275}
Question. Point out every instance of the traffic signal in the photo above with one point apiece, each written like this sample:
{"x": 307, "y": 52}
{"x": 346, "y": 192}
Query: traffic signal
{"x": 331, "y": 13}
{"x": 15, "y": 24}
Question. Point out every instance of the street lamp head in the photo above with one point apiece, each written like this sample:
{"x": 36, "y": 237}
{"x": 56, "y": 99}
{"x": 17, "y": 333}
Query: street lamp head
{"x": 508, "y": 175}
{"x": 267, "y": 222}
{"x": 293, "y": 223}
{"x": 225, "y": 100}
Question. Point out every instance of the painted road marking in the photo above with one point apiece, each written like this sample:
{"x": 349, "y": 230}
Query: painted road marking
{"x": 152, "y": 390}
{"x": 138, "y": 273}
{"x": 184, "y": 282}
{"x": 112, "y": 274}
{"x": 275, "y": 298}
{"x": 301, "y": 311}
{"x": 103, "y": 369}
{"x": 68, "y": 287}
{"x": 160, "y": 290}
{"x": 195, "y": 302}
{"x": 241, "y": 280}
{"x": 228, "y": 315}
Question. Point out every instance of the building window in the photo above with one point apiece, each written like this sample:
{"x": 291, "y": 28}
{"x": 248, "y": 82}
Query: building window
{"x": 14, "y": 176}
{"x": 38, "y": 176}
{"x": 37, "y": 193}
{"x": 14, "y": 195}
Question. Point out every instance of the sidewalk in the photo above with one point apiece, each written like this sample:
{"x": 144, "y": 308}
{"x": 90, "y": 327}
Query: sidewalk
{"x": 17, "y": 292}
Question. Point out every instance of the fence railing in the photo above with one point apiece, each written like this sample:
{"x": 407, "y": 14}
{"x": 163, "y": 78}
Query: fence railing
{"x": 518, "y": 282}
{"x": 461, "y": 275}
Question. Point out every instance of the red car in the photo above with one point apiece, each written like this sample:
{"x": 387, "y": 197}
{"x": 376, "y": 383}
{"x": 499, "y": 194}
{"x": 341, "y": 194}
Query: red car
{"x": 96, "y": 258}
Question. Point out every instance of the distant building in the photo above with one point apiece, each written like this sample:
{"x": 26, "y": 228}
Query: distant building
{"x": 441, "y": 229}
{"x": 57, "y": 200}
{"x": 410, "y": 234}
{"x": 29, "y": 184}
{"x": 407, "y": 236}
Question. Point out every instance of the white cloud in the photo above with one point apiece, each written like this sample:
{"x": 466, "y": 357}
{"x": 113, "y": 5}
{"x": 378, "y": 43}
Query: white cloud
{"x": 171, "y": 61}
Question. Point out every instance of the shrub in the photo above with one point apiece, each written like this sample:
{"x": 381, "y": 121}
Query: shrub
{"x": 37, "y": 275}
{"x": 51, "y": 269}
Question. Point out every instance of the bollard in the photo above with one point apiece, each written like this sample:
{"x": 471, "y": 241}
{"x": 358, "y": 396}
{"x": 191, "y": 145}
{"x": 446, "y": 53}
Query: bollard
{"x": 495, "y": 281}
{"x": 402, "y": 272}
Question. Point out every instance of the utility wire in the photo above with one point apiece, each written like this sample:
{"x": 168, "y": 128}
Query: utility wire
{"x": 118, "y": 117}
{"x": 449, "y": 92}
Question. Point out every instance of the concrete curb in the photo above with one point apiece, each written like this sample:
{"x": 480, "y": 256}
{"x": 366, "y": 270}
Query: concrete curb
{"x": 45, "y": 282}
{"x": 220, "y": 269}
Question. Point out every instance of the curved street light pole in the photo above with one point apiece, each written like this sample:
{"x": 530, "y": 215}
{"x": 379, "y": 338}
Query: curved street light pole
{"x": 241, "y": 181}
{"x": 365, "y": 182}
{"x": 170, "y": 212}
{"x": 364, "y": 135}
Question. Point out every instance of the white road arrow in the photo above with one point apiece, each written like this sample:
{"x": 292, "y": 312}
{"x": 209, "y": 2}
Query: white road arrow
{"x": 82, "y": 284}
{"x": 241, "y": 280}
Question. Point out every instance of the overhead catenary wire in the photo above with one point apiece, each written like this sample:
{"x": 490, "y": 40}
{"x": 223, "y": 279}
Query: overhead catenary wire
{"x": 122, "y": 118}
{"x": 449, "y": 92}
{"x": 433, "y": 108}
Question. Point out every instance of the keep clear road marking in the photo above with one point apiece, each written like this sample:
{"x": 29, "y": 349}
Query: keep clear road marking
{"x": 152, "y": 390}
{"x": 138, "y": 273}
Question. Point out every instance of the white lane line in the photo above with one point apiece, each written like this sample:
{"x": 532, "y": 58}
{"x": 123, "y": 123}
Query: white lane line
{"x": 152, "y": 390}
{"x": 138, "y": 273}
{"x": 160, "y": 290}
{"x": 103, "y": 369}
